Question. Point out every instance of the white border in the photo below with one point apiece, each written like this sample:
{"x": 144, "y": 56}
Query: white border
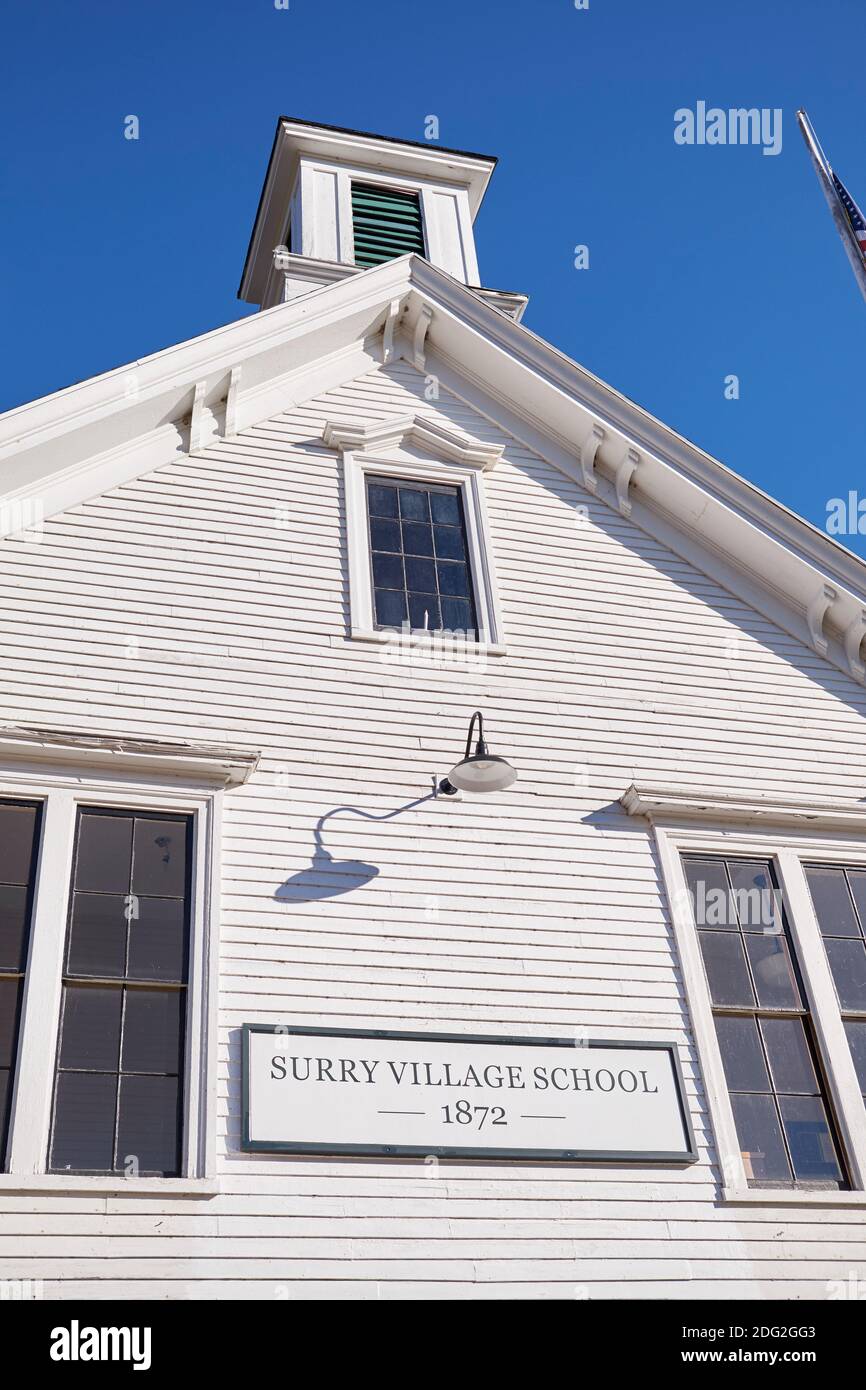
{"x": 61, "y": 795}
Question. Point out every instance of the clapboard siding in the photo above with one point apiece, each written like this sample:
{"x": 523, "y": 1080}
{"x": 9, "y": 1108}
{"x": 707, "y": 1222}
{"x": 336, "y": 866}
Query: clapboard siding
{"x": 208, "y": 600}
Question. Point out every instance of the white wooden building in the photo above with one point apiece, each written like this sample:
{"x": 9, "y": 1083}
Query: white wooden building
{"x": 240, "y": 652}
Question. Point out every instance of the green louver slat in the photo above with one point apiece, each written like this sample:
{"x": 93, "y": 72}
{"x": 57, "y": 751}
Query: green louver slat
{"x": 385, "y": 223}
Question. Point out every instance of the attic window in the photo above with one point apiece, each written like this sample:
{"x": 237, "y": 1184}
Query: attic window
{"x": 386, "y": 224}
{"x": 420, "y": 557}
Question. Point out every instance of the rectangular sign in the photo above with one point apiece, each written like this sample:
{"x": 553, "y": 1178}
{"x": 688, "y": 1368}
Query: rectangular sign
{"x": 315, "y": 1090}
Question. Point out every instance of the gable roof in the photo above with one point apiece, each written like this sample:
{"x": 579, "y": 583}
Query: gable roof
{"x": 77, "y": 443}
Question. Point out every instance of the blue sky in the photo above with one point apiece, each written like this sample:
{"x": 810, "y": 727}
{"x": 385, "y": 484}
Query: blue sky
{"x": 705, "y": 261}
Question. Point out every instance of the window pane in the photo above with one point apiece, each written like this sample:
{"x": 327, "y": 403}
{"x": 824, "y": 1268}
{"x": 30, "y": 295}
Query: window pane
{"x": 760, "y": 1136}
{"x": 740, "y": 1045}
{"x": 772, "y": 971}
{"x": 424, "y": 612}
{"x": 832, "y": 901}
{"x": 382, "y": 500}
{"x": 152, "y": 1030}
{"x": 848, "y": 964}
{"x": 856, "y": 1032}
{"x": 445, "y": 507}
{"x": 457, "y": 615}
{"x": 97, "y": 934}
{"x": 104, "y": 853}
{"x": 449, "y": 543}
{"x": 709, "y": 892}
{"x": 453, "y": 579}
{"x": 420, "y": 575}
{"x": 390, "y": 607}
{"x": 790, "y": 1060}
{"x": 17, "y": 842}
{"x": 10, "y": 998}
{"x": 726, "y": 968}
{"x": 84, "y": 1122}
{"x": 5, "y": 1103}
{"x": 14, "y": 926}
{"x": 159, "y": 857}
{"x": 809, "y": 1138}
{"x": 90, "y": 1028}
{"x": 857, "y": 884}
{"x": 388, "y": 571}
{"x": 149, "y": 1123}
{"x": 753, "y": 895}
{"x": 413, "y": 504}
{"x": 158, "y": 940}
{"x": 384, "y": 535}
{"x": 417, "y": 539}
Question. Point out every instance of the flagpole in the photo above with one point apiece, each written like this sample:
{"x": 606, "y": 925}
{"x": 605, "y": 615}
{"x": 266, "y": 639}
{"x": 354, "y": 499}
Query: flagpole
{"x": 825, "y": 178}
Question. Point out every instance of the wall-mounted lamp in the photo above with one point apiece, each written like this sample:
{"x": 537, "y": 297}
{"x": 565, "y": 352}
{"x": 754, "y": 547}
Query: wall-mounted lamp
{"x": 479, "y": 771}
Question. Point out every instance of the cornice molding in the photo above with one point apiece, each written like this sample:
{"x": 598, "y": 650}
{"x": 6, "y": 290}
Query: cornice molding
{"x": 211, "y": 764}
{"x": 657, "y": 802}
{"x": 428, "y": 435}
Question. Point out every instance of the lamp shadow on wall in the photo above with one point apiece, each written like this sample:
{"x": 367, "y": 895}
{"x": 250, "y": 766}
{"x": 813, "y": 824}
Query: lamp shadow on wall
{"x": 327, "y": 877}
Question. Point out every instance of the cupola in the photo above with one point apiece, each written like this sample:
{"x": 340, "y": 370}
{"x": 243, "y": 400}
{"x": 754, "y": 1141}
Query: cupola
{"x": 336, "y": 202}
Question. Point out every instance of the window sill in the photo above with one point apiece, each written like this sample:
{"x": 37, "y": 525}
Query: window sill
{"x": 66, "y": 1183}
{"x": 787, "y": 1197}
{"x": 433, "y": 643}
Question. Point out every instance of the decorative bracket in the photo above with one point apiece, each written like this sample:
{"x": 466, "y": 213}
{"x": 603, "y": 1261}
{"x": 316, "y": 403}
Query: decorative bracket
{"x": 854, "y": 634}
{"x": 588, "y": 451}
{"x": 815, "y": 615}
{"x": 624, "y": 473}
{"x": 231, "y": 427}
{"x": 422, "y": 328}
{"x": 195, "y": 423}
{"x": 395, "y": 308}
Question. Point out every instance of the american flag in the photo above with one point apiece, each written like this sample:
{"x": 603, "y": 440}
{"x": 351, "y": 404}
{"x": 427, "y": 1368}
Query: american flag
{"x": 853, "y": 213}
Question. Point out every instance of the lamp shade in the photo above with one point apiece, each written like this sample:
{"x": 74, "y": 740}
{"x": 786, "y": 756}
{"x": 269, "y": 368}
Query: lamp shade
{"x": 482, "y": 773}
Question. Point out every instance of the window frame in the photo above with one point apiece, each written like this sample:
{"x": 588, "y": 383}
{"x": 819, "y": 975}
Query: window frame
{"x": 357, "y": 466}
{"x": 61, "y": 795}
{"x": 788, "y": 851}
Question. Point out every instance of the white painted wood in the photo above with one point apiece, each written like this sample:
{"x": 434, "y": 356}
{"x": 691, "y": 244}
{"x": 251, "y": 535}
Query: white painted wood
{"x": 540, "y": 910}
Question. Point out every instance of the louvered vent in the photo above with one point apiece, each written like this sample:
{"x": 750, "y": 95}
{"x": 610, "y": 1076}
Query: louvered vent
{"x": 386, "y": 224}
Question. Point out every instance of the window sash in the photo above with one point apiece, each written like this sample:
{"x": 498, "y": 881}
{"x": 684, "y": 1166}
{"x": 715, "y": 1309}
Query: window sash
{"x": 77, "y": 983}
{"x": 714, "y": 834}
{"x": 17, "y": 973}
{"x": 785, "y": 1003}
{"x": 61, "y": 793}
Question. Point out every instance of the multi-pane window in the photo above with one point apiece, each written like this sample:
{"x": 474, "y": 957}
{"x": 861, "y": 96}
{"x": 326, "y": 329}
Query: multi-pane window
{"x": 420, "y": 557}
{"x": 19, "y": 844}
{"x": 779, "y": 1098}
{"x": 386, "y": 223}
{"x": 117, "y": 1097}
{"x": 839, "y": 898}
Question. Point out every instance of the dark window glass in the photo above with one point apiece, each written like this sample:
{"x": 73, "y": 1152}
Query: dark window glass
{"x": 727, "y": 972}
{"x": 761, "y": 1142}
{"x": 833, "y": 906}
{"x": 385, "y": 535}
{"x": 19, "y": 847}
{"x": 855, "y": 1031}
{"x": 420, "y": 557}
{"x": 766, "y": 1037}
{"x": 810, "y": 1140}
{"x": 118, "y": 1089}
{"x": 839, "y": 898}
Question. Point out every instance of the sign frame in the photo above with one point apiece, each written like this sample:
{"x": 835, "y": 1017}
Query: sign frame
{"x": 248, "y": 1145}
